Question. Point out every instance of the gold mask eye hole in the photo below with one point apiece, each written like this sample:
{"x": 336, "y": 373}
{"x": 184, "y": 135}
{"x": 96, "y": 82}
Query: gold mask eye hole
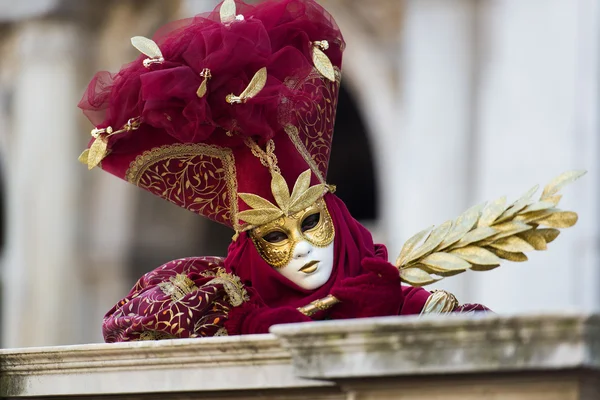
{"x": 275, "y": 237}
{"x": 311, "y": 222}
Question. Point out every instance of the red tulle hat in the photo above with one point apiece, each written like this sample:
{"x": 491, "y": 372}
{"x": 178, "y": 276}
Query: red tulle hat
{"x": 218, "y": 102}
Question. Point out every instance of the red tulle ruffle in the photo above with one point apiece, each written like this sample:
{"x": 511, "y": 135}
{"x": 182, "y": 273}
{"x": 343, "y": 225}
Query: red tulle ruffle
{"x": 276, "y": 35}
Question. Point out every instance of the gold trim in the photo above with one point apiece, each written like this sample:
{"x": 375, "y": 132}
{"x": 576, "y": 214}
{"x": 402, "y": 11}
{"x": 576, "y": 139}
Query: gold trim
{"x": 233, "y": 286}
{"x": 267, "y": 157}
{"x": 177, "y": 287}
{"x": 318, "y": 305}
{"x": 294, "y": 136}
{"x": 141, "y": 164}
{"x": 440, "y": 302}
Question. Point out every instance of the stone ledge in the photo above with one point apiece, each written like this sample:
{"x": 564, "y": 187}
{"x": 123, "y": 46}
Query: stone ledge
{"x": 211, "y": 364}
{"x": 193, "y": 353}
{"x": 391, "y": 346}
{"x": 326, "y": 359}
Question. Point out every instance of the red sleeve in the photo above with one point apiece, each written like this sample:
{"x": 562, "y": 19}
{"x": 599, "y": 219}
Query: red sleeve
{"x": 184, "y": 298}
{"x": 414, "y": 300}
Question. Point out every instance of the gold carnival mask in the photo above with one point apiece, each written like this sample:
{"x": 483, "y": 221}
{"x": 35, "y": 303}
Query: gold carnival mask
{"x": 276, "y": 240}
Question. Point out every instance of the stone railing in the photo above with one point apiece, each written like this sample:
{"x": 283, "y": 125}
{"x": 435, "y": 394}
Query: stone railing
{"x": 457, "y": 357}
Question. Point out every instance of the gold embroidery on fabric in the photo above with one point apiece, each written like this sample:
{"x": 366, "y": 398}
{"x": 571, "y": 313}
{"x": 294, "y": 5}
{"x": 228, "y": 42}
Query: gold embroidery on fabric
{"x": 313, "y": 120}
{"x": 221, "y": 332}
{"x": 440, "y": 302}
{"x": 233, "y": 287}
{"x": 188, "y": 184}
{"x": 208, "y": 273}
{"x": 155, "y": 335}
{"x": 177, "y": 287}
{"x": 154, "y": 316}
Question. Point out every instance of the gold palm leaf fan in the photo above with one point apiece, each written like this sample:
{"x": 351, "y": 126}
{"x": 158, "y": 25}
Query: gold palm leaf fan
{"x": 481, "y": 238}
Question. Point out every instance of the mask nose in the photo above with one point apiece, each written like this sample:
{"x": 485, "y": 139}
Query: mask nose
{"x": 303, "y": 249}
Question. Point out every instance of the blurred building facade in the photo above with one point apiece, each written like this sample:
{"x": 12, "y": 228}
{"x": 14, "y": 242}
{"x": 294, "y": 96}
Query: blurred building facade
{"x": 445, "y": 104}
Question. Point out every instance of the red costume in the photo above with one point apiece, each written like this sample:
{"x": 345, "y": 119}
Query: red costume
{"x": 218, "y": 107}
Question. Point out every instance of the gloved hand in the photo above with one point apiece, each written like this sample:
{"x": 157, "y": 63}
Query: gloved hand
{"x": 252, "y": 317}
{"x": 377, "y": 292}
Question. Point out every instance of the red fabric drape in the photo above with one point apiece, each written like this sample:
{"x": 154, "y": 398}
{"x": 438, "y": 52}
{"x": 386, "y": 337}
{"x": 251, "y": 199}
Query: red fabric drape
{"x": 352, "y": 243}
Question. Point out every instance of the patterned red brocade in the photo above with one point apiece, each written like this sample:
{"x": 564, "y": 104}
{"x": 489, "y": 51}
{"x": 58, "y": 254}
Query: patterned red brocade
{"x": 181, "y": 299}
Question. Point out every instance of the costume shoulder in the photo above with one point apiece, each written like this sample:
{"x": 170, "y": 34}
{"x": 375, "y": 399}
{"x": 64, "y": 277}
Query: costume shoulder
{"x": 185, "y": 298}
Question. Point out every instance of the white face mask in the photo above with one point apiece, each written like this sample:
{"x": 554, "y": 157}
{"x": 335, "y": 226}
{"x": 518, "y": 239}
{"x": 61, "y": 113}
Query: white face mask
{"x": 299, "y": 246}
{"x": 310, "y": 266}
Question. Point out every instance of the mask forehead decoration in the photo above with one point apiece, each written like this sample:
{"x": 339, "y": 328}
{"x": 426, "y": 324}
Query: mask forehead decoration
{"x": 303, "y": 195}
{"x": 276, "y": 240}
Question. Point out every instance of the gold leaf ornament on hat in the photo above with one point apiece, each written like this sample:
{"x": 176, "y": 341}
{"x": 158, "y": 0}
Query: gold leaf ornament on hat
{"x": 206, "y": 74}
{"x": 99, "y": 148}
{"x": 320, "y": 60}
{"x": 83, "y": 157}
{"x": 149, "y": 48}
{"x": 98, "y": 151}
{"x": 227, "y": 12}
{"x": 263, "y": 211}
{"x": 257, "y": 83}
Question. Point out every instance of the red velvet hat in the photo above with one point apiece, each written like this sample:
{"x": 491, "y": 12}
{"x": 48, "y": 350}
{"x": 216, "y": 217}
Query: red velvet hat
{"x": 220, "y": 105}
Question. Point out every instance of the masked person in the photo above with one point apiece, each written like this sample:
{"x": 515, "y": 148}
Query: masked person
{"x": 230, "y": 115}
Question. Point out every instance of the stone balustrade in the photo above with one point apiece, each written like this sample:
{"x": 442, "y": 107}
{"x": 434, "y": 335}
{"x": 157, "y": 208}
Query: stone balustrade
{"x": 455, "y": 357}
